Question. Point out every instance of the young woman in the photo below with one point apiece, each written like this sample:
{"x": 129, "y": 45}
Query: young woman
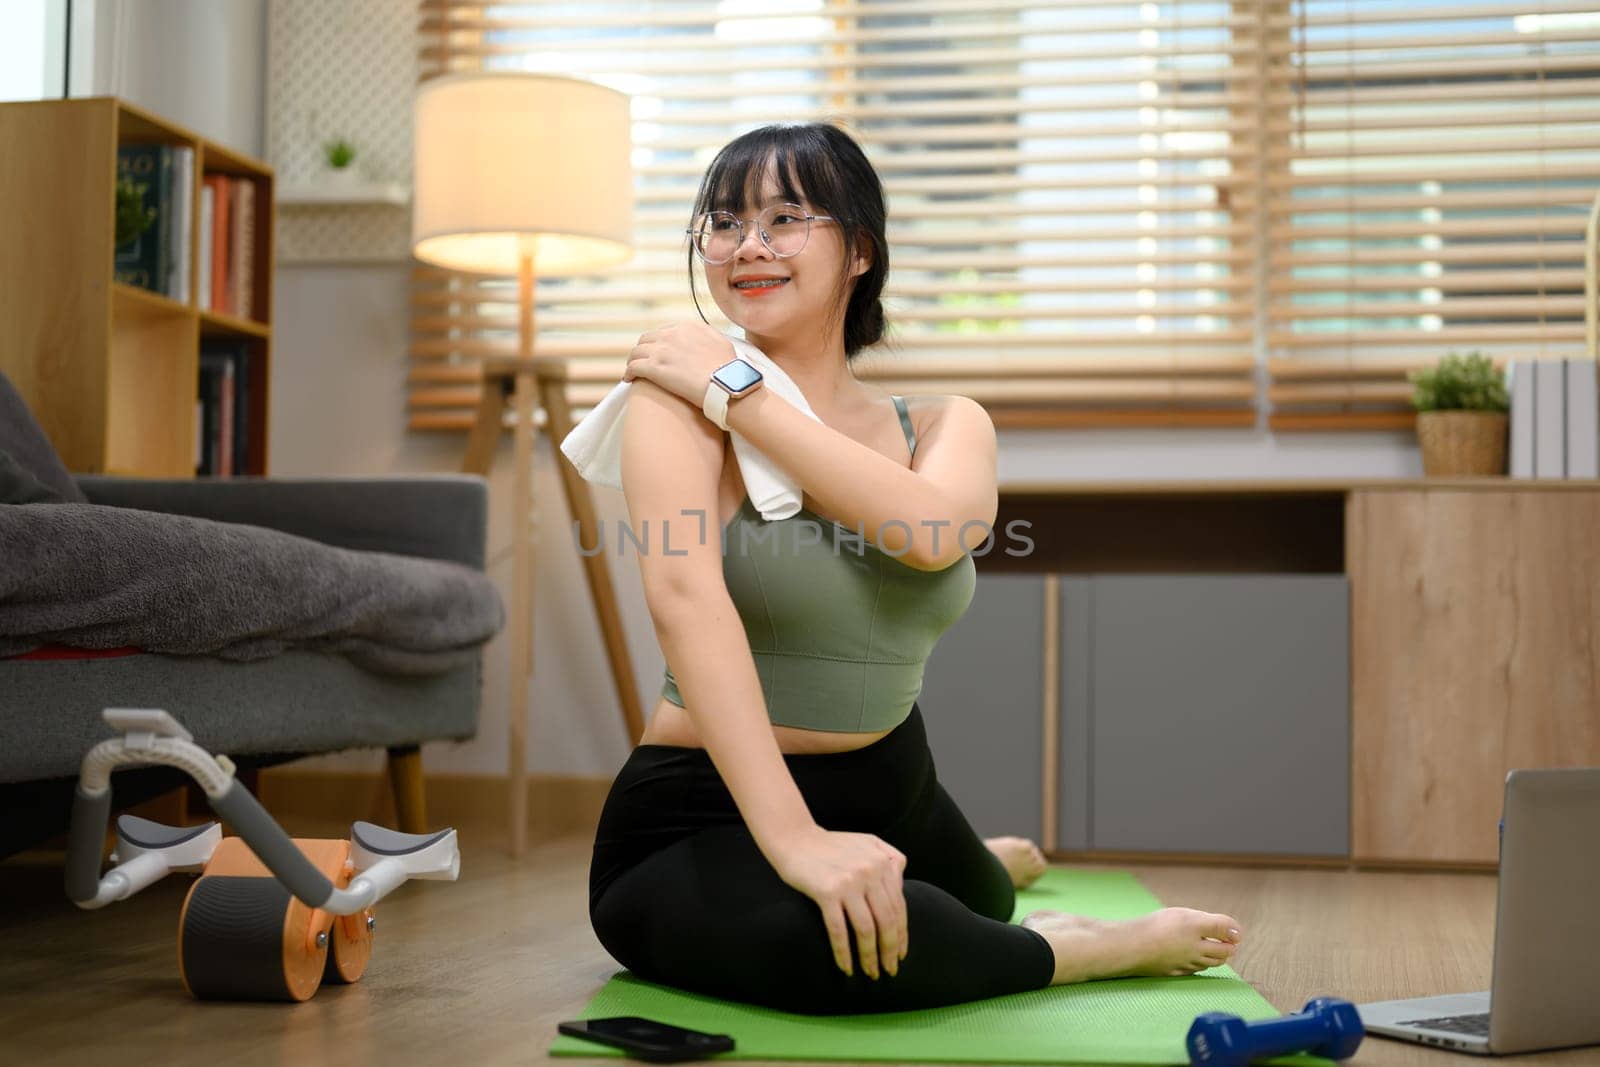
{"x": 780, "y": 837}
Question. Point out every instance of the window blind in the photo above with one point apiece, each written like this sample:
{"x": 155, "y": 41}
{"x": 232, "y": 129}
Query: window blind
{"x": 1063, "y": 180}
{"x": 1428, "y": 171}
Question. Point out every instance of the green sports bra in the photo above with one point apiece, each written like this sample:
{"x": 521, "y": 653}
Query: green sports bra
{"x": 839, "y": 628}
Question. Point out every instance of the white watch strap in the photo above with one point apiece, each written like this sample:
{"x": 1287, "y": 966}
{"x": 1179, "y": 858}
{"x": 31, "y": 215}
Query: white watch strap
{"x": 716, "y": 404}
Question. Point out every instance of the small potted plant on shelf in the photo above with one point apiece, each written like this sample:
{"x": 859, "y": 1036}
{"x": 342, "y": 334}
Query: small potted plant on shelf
{"x": 340, "y": 154}
{"x": 1461, "y": 416}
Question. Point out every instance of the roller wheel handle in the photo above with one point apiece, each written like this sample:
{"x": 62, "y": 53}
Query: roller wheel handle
{"x": 1327, "y": 1027}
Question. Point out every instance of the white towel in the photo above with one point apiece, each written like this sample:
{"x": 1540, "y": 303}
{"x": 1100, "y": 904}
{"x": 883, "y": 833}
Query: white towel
{"x": 595, "y": 445}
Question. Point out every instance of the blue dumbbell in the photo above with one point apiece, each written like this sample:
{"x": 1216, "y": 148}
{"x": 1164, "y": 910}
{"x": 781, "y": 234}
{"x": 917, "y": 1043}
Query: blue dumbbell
{"x": 1328, "y": 1027}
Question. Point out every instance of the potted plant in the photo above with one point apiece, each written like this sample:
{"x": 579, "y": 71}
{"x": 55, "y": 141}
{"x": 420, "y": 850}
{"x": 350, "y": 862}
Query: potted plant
{"x": 1461, "y": 416}
{"x": 340, "y": 154}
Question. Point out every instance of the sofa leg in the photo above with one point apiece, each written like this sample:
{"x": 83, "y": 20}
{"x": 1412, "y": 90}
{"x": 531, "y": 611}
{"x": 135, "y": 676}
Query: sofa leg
{"x": 405, "y": 778}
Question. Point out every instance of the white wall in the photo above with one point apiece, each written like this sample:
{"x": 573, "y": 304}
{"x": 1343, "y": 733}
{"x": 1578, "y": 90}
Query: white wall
{"x": 196, "y": 62}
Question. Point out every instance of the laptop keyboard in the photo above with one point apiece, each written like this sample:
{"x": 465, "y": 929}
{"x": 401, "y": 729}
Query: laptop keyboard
{"x": 1475, "y": 1025}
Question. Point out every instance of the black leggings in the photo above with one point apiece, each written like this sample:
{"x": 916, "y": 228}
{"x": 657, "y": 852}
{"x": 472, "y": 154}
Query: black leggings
{"x": 681, "y": 896}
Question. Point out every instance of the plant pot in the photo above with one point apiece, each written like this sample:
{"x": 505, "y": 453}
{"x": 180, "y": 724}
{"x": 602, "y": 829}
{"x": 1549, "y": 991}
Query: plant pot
{"x": 342, "y": 177}
{"x": 1456, "y": 443}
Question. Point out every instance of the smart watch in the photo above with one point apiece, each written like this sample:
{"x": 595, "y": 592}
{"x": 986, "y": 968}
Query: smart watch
{"x": 730, "y": 381}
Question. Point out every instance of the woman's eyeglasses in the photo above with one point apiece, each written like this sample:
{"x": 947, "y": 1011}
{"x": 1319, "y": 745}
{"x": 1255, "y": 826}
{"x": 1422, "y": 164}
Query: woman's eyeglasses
{"x": 783, "y": 228}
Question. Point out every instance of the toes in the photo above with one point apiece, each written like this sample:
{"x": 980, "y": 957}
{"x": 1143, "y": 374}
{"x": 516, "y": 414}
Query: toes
{"x": 1220, "y": 928}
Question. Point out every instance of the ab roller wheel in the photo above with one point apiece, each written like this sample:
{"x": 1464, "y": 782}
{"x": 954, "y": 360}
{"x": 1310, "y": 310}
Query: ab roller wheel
{"x": 269, "y": 918}
{"x": 242, "y": 936}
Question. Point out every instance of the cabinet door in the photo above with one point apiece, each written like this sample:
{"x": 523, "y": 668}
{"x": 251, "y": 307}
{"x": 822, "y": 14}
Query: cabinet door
{"x": 1477, "y": 627}
{"x": 1219, "y": 714}
{"x": 981, "y": 695}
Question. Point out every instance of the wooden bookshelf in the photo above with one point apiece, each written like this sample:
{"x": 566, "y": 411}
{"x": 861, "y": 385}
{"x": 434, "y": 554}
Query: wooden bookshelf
{"x": 112, "y": 370}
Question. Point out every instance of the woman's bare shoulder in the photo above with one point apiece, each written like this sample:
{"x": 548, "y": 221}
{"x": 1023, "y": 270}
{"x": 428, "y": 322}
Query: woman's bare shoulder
{"x": 669, "y": 448}
{"x": 953, "y": 413}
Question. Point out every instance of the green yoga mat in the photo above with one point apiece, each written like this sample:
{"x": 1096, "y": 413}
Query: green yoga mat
{"x": 1124, "y": 1020}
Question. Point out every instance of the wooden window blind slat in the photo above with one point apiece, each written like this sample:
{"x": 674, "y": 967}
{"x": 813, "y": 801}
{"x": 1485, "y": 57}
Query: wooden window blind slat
{"x": 468, "y": 14}
{"x": 708, "y": 40}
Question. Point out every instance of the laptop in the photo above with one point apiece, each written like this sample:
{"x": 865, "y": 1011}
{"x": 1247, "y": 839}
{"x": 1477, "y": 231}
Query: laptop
{"x": 1545, "y": 987}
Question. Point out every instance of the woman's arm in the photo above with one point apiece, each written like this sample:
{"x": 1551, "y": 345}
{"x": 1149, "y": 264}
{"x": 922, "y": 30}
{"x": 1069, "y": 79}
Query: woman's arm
{"x": 671, "y": 462}
{"x": 953, "y": 480}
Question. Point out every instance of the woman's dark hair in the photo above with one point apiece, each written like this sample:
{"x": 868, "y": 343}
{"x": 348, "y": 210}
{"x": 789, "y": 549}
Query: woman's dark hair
{"x": 822, "y": 165}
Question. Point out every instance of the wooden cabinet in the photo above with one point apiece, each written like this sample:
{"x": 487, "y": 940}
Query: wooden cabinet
{"x": 1284, "y": 670}
{"x": 111, "y": 370}
{"x": 1476, "y": 627}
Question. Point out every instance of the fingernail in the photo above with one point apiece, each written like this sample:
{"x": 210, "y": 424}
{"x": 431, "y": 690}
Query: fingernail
{"x": 1234, "y": 933}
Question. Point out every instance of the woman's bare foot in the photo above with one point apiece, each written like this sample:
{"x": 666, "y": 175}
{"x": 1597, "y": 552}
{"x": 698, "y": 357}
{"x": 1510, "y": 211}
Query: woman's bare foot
{"x": 1172, "y": 941}
{"x": 1022, "y": 859}
{"x": 1043, "y": 918}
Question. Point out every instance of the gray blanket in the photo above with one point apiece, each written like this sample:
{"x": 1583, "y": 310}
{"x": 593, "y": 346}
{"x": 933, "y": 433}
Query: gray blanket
{"x": 100, "y": 577}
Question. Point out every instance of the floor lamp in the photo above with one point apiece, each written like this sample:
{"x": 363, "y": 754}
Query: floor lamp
{"x": 518, "y": 173}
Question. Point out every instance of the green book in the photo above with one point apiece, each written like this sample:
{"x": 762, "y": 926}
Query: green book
{"x": 144, "y": 261}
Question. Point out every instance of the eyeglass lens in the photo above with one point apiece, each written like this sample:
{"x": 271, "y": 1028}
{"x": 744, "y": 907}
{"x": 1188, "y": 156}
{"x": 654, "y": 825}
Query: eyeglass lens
{"x": 783, "y": 228}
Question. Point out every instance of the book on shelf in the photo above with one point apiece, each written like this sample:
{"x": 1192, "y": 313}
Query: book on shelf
{"x": 142, "y": 261}
{"x": 1549, "y": 419}
{"x": 208, "y": 459}
{"x": 180, "y": 217}
{"x": 229, "y": 282}
{"x": 225, "y": 399}
{"x": 202, "y": 290}
{"x": 1583, "y": 419}
{"x": 158, "y": 259}
{"x": 242, "y": 248}
{"x": 1522, "y": 418}
{"x": 218, "y": 278}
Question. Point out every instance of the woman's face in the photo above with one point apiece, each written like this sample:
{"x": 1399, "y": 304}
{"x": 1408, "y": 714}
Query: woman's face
{"x": 804, "y": 287}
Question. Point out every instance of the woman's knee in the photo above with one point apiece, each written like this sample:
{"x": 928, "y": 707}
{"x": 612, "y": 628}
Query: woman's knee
{"x": 997, "y": 898}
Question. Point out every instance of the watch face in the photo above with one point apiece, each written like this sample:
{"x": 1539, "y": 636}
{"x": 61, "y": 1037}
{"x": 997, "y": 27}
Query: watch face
{"x": 737, "y": 376}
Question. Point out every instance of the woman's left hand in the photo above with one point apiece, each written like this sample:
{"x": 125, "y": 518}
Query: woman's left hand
{"x": 680, "y": 358}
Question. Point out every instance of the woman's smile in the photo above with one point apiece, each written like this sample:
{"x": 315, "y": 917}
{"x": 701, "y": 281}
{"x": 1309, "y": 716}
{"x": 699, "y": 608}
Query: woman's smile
{"x": 754, "y": 285}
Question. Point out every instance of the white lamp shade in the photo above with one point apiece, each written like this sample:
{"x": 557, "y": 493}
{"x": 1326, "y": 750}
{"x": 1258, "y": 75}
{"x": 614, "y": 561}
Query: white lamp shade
{"x": 509, "y": 161}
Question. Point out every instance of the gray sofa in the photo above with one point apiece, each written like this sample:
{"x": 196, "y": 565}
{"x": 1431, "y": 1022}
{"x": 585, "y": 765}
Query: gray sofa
{"x": 259, "y": 711}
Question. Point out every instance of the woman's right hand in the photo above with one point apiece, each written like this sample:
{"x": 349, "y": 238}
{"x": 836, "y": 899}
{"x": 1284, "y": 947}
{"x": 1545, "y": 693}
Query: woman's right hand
{"x": 856, "y": 877}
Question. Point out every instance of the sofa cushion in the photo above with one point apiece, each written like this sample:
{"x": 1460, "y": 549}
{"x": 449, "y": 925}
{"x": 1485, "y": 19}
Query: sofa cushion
{"x": 100, "y": 577}
{"x": 26, "y": 449}
{"x": 19, "y": 486}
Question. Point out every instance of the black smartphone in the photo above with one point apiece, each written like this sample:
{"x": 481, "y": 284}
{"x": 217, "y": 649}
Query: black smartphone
{"x": 647, "y": 1039}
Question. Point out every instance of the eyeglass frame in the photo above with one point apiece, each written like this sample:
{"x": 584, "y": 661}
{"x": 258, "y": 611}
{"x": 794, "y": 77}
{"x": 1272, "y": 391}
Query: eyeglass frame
{"x": 761, "y": 232}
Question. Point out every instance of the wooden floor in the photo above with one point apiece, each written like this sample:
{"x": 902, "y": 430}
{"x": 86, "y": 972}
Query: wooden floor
{"x": 480, "y": 971}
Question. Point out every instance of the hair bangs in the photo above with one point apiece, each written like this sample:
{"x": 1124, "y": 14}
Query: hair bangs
{"x": 792, "y": 155}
